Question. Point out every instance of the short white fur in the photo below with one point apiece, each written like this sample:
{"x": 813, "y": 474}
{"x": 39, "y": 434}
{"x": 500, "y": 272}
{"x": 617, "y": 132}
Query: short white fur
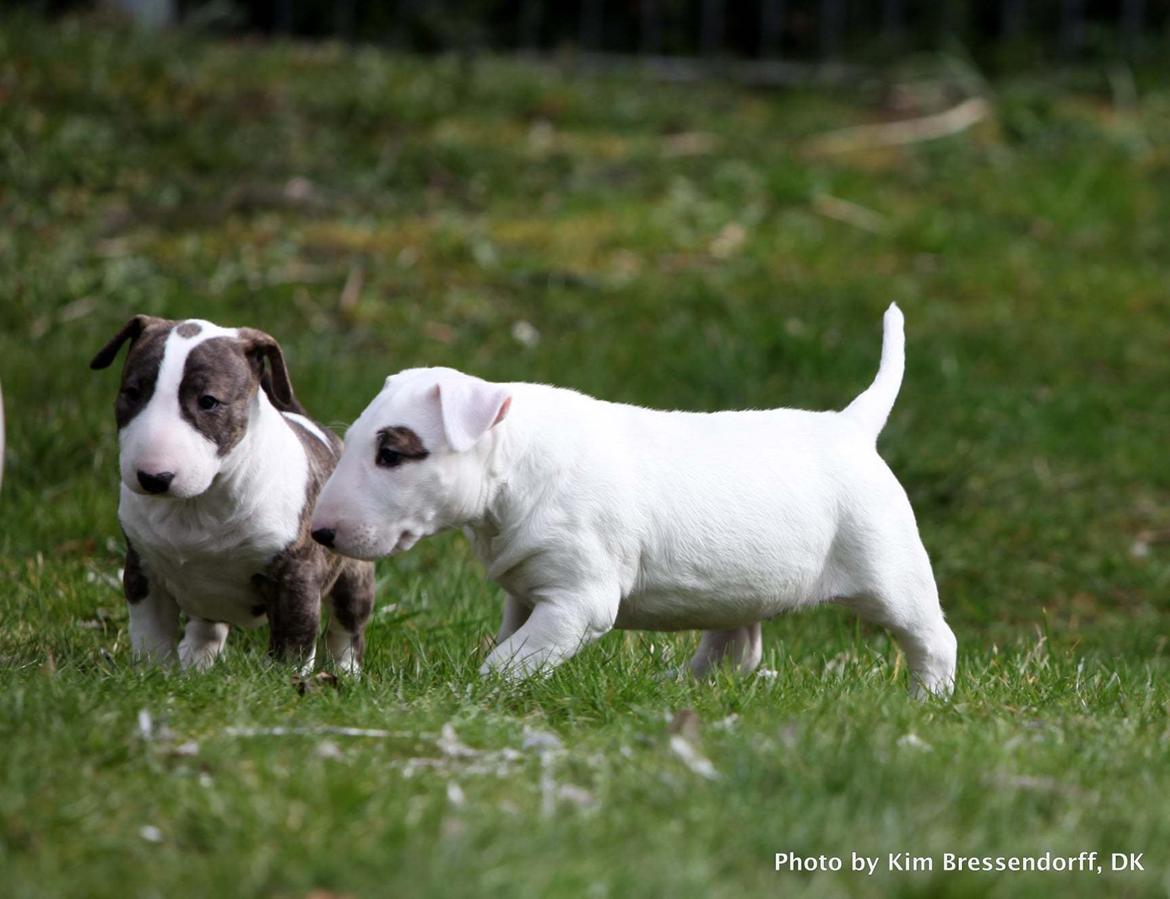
{"x": 594, "y": 515}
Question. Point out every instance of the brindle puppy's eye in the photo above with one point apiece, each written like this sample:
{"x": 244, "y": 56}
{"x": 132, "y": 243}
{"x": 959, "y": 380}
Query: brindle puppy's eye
{"x": 207, "y": 402}
{"x": 388, "y": 458}
{"x": 131, "y": 392}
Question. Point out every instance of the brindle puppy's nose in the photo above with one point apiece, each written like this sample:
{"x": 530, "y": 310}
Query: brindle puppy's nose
{"x": 324, "y": 536}
{"x": 155, "y": 483}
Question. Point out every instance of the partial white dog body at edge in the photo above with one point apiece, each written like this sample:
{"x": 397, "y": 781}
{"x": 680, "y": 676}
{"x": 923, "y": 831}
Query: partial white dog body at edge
{"x": 595, "y": 515}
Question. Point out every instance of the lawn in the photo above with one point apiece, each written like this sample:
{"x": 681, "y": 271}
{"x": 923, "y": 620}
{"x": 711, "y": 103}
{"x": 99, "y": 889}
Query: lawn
{"x": 677, "y": 245}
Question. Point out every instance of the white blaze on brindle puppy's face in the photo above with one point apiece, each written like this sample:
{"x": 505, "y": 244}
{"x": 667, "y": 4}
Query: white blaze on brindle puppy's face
{"x": 186, "y": 400}
{"x": 163, "y": 450}
{"x": 412, "y": 465}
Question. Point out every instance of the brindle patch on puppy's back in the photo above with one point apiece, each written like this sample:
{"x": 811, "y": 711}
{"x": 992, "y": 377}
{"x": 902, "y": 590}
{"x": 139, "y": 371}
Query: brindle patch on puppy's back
{"x": 305, "y": 562}
{"x": 140, "y": 373}
{"x": 322, "y": 460}
{"x": 217, "y": 368}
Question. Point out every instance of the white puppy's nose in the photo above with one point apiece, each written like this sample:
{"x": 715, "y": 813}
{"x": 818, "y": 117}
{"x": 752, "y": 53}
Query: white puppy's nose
{"x": 159, "y": 482}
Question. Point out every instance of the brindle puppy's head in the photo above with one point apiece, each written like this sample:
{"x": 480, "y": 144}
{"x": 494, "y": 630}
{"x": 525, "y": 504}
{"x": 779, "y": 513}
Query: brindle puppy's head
{"x": 190, "y": 391}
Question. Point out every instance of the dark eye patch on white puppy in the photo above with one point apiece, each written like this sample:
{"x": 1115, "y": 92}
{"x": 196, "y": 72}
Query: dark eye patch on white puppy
{"x": 398, "y": 445}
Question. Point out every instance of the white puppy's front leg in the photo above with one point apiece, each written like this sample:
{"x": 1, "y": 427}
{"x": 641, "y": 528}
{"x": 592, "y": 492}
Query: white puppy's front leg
{"x": 515, "y": 615}
{"x": 202, "y": 643}
{"x": 555, "y": 631}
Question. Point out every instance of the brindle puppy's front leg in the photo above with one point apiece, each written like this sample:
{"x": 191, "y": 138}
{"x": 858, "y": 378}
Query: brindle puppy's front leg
{"x": 292, "y": 596}
{"x": 352, "y": 598}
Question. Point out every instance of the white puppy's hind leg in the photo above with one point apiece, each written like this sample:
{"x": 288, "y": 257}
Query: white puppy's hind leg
{"x": 202, "y": 643}
{"x": 909, "y": 608}
{"x": 742, "y": 646}
{"x": 930, "y": 649}
{"x": 515, "y": 615}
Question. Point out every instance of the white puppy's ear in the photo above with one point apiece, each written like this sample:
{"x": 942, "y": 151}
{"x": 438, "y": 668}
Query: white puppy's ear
{"x": 470, "y": 408}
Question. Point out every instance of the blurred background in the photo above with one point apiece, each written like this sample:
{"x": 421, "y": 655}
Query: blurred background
{"x": 761, "y": 30}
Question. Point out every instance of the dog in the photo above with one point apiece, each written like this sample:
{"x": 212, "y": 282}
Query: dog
{"x": 593, "y": 515}
{"x": 220, "y": 467}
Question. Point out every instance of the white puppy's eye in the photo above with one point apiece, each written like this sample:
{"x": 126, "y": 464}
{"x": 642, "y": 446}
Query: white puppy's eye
{"x": 388, "y": 458}
{"x": 207, "y": 402}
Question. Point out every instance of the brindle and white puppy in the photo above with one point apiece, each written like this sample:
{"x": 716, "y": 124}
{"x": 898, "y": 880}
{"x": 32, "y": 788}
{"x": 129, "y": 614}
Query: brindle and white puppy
{"x": 220, "y": 472}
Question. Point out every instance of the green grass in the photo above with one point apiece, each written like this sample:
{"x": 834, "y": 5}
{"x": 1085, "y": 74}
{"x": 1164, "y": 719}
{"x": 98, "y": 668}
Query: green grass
{"x": 1029, "y": 255}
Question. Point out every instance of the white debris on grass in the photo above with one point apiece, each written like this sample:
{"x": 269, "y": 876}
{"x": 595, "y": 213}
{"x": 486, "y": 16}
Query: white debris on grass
{"x": 318, "y": 731}
{"x": 525, "y": 334}
{"x": 150, "y": 833}
{"x": 541, "y": 740}
{"x": 578, "y": 796}
{"x": 455, "y": 794}
{"x": 327, "y": 749}
{"x": 767, "y": 673}
{"x": 727, "y": 723}
{"x": 692, "y": 758}
{"x": 913, "y": 741}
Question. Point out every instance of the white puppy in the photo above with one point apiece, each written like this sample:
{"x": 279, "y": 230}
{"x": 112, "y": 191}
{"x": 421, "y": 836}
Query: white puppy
{"x": 594, "y": 515}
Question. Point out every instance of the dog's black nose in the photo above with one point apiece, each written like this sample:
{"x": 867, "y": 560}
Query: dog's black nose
{"x": 324, "y": 536}
{"x": 155, "y": 483}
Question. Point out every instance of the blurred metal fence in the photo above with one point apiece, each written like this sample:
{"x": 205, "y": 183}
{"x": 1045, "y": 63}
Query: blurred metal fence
{"x": 813, "y": 29}
{"x": 805, "y": 30}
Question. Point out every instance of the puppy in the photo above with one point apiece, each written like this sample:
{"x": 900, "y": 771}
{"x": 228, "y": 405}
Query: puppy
{"x": 220, "y": 469}
{"x": 594, "y": 515}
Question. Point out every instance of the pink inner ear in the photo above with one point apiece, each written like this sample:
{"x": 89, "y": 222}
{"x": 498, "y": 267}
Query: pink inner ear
{"x": 504, "y": 407}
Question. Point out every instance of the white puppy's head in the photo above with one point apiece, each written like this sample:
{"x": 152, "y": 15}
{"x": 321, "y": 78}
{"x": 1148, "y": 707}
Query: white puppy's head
{"x": 189, "y": 393}
{"x": 414, "y": 463}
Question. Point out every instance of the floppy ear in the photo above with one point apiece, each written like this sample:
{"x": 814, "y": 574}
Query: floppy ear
{"x": 267, "y": 359}
{"x": 470, "y": 408}
{"x": 131, "y": 331}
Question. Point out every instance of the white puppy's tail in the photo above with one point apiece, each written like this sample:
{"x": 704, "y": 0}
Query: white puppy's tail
{"x": 871, "y": 409}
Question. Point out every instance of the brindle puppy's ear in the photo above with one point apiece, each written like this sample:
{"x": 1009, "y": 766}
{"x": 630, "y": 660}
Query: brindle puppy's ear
{"x": 131, "y": 331}
{"x": 267, "y": 359}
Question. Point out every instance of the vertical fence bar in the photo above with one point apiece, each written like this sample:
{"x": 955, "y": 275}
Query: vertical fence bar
{"x": 950, "y": 17}
{"x": 711, "y": 21}
{"x": 894, "y": 19}
{"x": 771, "y": 27}
{"x": 1133, "y": 18}
{"x": 344, "y": 19}
{"x": 282, "y": 17}
{"x": 650, "y": 30}
{"x": 832, "y": 26}
{"x": 1072, "y": 25}
{"x": 528, "y": 30}
{"x": 592, "y": 25}
{"x": 1012, "y": 18}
